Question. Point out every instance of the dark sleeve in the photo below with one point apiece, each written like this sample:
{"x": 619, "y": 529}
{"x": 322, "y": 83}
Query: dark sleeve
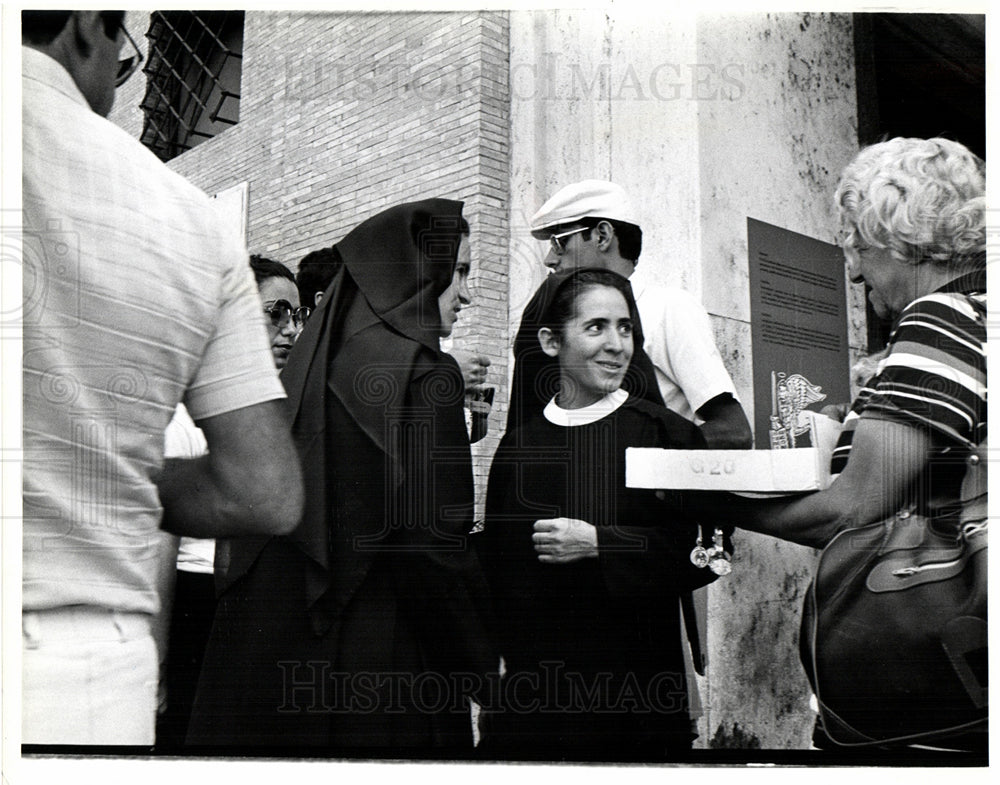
{"x": 506, "y": 552}
{"x": 487, "y": 542}
{"x": 505, "y": 547}
{"x": 647, "y": 552}
{"x": 436, "y": 572}
{"x": 652, "y": 558}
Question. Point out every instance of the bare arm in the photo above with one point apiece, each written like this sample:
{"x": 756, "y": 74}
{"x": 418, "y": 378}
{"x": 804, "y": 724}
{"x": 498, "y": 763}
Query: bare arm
{"x": 166, "y": 580}
{"x": 725, "y": 426}
{"x": 249, "y": 483}
{"x": 886, "y": 459}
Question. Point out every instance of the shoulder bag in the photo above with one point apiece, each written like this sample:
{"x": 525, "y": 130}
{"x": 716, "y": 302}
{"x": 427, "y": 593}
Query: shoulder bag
{"x": 894, "y": 635}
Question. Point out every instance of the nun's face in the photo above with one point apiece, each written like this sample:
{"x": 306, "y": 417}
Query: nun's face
{"x": 456, "y": 295}
{"x": 594, "y": 348}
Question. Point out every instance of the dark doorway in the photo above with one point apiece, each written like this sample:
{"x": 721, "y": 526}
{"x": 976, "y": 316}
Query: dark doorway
{"x": 920, "y": 75}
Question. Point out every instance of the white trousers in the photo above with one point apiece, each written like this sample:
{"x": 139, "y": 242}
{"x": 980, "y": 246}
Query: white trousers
{"x": 89, "y": 677}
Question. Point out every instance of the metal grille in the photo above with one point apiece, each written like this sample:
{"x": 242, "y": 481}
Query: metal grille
{"x": 192, "y": 78}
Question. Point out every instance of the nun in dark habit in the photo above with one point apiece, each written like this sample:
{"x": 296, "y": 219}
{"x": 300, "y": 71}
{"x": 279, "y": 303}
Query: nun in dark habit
{"x": 361, "y": 631}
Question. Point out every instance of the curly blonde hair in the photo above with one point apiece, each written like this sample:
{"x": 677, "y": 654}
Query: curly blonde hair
{"x": 923, "y": 199}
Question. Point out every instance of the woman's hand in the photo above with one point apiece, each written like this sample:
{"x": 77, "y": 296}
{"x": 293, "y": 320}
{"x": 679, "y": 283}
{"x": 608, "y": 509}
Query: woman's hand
{"x": 836, "y": 411}
{"x": 564, "y": 540}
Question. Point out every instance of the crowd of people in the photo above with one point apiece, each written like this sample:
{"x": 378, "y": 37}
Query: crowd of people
{"x": 249, "y": 494}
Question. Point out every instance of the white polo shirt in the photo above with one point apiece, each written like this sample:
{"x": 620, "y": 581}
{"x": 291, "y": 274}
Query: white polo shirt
{"x": 678, "y": 338}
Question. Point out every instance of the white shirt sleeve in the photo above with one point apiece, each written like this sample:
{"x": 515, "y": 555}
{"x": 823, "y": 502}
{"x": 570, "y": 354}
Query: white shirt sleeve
{"x": 679, "y": 340}
{"x": 182, "y": 438}
{"x": 237, "y": 369}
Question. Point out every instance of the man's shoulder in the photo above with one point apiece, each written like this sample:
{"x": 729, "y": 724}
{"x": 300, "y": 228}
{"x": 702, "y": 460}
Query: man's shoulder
{"x": 655, "y": 293}
{"x": 665, "y": 307}
{"x": 71, "y": 134}
{"x": 156, "y": 174}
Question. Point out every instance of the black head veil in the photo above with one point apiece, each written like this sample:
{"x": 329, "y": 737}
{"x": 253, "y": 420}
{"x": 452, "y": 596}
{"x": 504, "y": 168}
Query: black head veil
{"x": 536, "y": 375}
{"x": 375, "y": 331}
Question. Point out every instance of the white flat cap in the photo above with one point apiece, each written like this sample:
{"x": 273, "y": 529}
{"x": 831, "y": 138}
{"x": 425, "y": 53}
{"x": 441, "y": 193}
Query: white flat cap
{"x": 586, "y": 199}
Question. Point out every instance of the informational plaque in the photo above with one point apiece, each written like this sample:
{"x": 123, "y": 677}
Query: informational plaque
{"x": 798, "y": 318}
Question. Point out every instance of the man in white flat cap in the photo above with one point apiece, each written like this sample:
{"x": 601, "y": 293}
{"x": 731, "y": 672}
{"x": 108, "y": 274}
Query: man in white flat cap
{"x": 592, "y": 223}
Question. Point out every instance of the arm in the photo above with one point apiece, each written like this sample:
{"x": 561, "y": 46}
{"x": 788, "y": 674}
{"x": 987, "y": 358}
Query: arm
{"x": 725, "y": 426}
{"x": 662, "y": 564}
{"x": 886, "y": 460}
{"x": 836, "y": 411}
{"x": 647, "y": 553}
{"x": 249, "y": 483}
{"x": 166, "y": 579}
{"x": 665, "y": 558}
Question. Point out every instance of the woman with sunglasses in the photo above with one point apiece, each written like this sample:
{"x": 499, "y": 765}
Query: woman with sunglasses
{"x": 193, "y": 607}
{"x": 280, "y": 295}
{"x": 360, "y": 632}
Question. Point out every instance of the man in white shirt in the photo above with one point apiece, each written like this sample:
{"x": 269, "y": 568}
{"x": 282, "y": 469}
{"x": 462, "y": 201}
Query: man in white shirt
{"x": 593, "y": 224}
{"x": 139, "y": 300}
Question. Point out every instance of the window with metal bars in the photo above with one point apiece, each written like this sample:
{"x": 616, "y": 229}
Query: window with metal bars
{"x": 192, "y": 78}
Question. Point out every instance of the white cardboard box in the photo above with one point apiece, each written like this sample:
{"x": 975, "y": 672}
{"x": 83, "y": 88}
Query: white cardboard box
{"x": 769, "y": 471}
{"x": 757, "y": 471}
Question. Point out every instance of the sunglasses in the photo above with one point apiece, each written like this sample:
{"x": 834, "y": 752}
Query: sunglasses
{"x": 558, "y": 242}
{"x": 282, "y": 311}
{"x": 128, "y": 65}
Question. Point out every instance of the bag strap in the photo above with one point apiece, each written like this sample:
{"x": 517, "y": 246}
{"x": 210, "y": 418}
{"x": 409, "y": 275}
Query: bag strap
{"x": 974, "y": 485}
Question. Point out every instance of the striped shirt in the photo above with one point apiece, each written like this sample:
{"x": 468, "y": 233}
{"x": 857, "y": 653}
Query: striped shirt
{"x": 136, "y": 297}
{"x": 933, "y": 376}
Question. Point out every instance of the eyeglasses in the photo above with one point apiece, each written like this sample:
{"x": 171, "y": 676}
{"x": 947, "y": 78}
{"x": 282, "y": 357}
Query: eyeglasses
{"x": 128, "y": 65}
{"x": 559, "y": 244}
{"x": 282, "y": 311}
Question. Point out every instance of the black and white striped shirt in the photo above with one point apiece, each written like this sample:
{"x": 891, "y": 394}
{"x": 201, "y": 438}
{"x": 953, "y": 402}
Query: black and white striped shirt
{"x": 934, "y": 373}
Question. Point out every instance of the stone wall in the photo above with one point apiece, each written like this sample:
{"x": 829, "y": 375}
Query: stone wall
{"x": 774, "y": 154}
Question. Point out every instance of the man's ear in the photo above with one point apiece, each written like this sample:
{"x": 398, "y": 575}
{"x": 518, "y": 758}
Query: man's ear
{"x": 317, "y": 299}
{"x": 549, "y": 341}
{"x": 605, "y": 235}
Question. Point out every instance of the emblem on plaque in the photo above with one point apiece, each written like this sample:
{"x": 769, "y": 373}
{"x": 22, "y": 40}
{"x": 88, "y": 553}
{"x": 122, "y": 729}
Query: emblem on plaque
{"x": 790, "y": 395}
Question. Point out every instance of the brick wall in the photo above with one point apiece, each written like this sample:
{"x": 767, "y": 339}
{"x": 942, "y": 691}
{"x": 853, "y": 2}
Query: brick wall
{"x": 343, "y": 115}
